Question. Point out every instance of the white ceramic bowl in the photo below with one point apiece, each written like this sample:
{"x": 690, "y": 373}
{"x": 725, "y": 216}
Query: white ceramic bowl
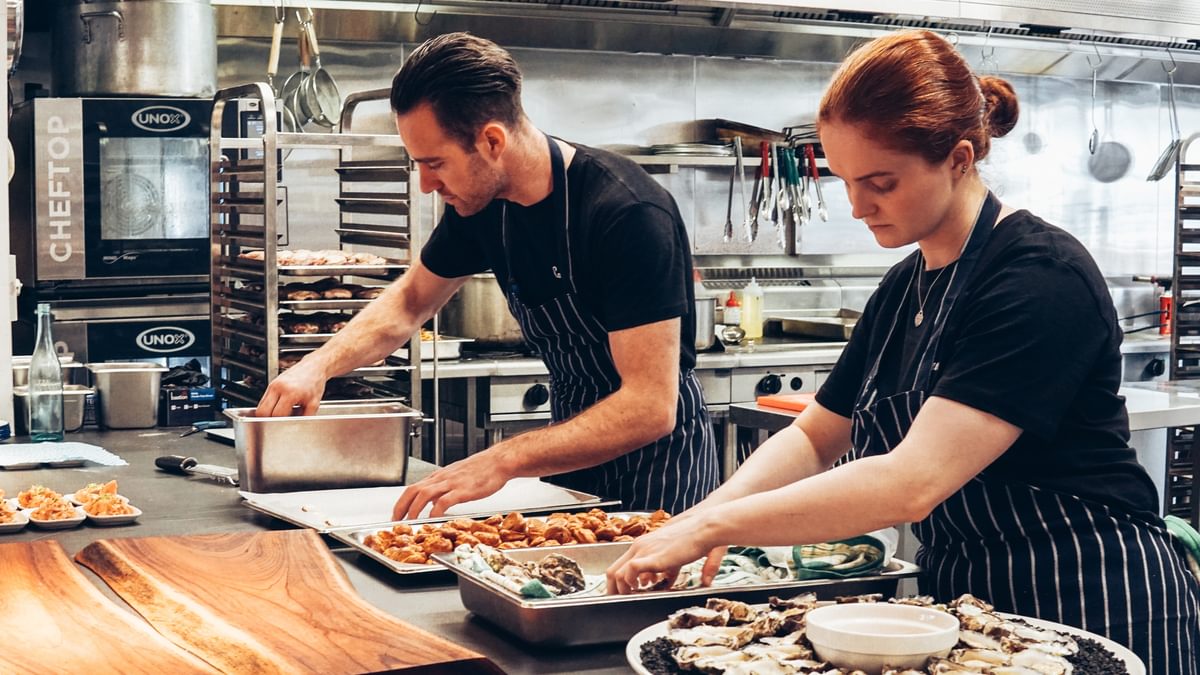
{"x": 869, "y": 636}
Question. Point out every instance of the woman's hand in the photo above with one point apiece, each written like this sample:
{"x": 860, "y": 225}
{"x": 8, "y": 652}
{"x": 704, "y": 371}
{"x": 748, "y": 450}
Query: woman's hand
{"x": 654, "y": 559}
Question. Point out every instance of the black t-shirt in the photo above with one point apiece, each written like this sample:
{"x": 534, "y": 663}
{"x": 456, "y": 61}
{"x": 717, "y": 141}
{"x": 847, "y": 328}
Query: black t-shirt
{"x": 1033, "y": 340}
{"x": 629, "y": 253}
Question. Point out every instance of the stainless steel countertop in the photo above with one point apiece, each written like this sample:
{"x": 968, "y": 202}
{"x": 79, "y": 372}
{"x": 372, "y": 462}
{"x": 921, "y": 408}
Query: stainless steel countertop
{"x": 178, "y": 505}
{"x": 1151, "y": 405}
{"x": 736, "y": 357}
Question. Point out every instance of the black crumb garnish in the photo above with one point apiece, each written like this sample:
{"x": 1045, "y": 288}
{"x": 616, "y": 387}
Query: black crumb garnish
{"x": 1093, "y": 659}
{"x": 658, "y": 656}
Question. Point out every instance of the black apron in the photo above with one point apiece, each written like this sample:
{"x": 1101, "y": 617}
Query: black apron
{"x": 1031, "y": 551}
{"x": 673, "y": 473}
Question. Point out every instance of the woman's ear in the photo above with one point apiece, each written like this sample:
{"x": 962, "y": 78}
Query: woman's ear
{"x": 962, "y": 157}
{"x": 492, "y": 140}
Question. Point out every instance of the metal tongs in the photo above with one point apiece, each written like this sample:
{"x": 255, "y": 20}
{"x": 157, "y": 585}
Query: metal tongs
{"x": 189, "y": 466}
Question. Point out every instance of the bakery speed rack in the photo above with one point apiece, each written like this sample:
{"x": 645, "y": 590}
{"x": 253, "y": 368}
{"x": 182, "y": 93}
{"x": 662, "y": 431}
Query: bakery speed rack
{"x": 1183, "y": 450}
{"x": 260, "y": 323}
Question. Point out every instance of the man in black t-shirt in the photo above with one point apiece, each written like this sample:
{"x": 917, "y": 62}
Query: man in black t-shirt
{"x": 593, "y": 258}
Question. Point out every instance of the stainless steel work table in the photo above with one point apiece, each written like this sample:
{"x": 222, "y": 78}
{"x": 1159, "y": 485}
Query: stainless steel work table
{"x": 179, "y": 505}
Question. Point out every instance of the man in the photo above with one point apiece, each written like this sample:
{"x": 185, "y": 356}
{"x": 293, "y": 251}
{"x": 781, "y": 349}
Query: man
{"x": 593, "y": 257}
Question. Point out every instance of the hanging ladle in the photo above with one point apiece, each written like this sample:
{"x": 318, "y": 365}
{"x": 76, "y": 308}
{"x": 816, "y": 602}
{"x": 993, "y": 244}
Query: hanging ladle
{"x": 1166, "y": 161}
{"x": 1094, "y": 139}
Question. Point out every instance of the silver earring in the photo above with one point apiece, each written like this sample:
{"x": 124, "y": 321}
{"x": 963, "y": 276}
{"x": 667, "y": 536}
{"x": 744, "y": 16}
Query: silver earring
{"x": 964, "y": 169}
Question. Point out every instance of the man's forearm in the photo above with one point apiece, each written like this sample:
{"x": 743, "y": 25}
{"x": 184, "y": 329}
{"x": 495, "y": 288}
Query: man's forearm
{"x": 377, "y": 331}
{"x": 612, "y": 427}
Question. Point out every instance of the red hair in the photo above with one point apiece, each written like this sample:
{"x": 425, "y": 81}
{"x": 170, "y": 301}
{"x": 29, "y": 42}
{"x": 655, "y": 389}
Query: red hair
{"x": 915, "y": 91}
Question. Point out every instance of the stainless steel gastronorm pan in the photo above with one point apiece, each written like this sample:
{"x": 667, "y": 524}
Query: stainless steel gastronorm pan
{"x": 342, "y": 446}
{"x": 561, "y": 622}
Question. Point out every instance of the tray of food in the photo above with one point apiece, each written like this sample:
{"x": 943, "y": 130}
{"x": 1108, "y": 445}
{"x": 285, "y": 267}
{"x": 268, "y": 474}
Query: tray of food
{"x": 408, "y": 547}
{"x": 591, "y": 616}
{"x": 303, "y": 262}
{"x": 778, "y": 636}
{"x": 443, "y": 348}
{"x": 371, "y": 507}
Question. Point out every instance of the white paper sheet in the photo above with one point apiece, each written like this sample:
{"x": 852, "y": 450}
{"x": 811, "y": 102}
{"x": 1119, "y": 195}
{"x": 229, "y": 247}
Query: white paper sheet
{"x": 327, "y": 509}
{"x": 15, "y": 454}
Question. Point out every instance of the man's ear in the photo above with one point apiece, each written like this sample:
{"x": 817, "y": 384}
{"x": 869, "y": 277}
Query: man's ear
{"x": 492, "y": 140}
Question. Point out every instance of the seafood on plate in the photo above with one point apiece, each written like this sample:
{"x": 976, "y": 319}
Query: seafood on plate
{"x": 7, "y": 513}
{"x": 108, "y": 504}
{"x": 91, "y": 491}
{"x": 54, "y": 509}
{"x": 35, "y": 495}
{"x": 407, "y": 544}
{"x": 726, "y": 636}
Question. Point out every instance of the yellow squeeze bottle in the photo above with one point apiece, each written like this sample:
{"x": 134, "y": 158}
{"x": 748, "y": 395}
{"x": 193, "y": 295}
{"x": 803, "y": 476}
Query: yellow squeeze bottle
{"x": 752, "y": 313}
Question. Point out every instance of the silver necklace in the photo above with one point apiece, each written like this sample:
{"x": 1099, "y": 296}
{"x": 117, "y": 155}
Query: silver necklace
{"x": 920, "y": 317}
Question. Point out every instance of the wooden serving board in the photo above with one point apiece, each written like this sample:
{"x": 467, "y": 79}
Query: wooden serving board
{"x": 266, "y": 602}
{"x": 54, "y": 619}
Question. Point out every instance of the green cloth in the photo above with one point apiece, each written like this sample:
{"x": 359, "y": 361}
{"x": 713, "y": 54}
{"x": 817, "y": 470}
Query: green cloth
{"x": 837, "y": 559}
{"x": 1190, "y": 538}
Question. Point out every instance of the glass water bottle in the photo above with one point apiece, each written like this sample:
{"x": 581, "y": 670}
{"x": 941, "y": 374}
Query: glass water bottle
{"x": 45, "y": 384}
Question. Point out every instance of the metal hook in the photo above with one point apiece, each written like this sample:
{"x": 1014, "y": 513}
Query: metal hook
{"x": 1099, "y": 59}
{"x": 280, "y": 12}
{"x": 952, "y": 38}
{"x": 417, "y": 18}
{"x": 1174, "y": 66}
{"x": 987, "y": 54}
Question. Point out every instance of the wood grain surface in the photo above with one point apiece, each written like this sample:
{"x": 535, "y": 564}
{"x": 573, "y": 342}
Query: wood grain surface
{"x": 54, "y": 619}
{"x": 267, "y": 602}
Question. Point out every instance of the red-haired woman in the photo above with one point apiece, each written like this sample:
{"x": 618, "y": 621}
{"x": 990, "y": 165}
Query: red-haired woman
{"x": 977, "y": 396}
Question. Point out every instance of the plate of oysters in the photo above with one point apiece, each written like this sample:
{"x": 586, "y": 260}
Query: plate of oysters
{"x": 733, "y": 637}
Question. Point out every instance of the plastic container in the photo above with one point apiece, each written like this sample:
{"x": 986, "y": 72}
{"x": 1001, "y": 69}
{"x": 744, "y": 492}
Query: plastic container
{"x": 732, "y": 315}
{"x": 127, "y": 393}
{"x": 752, "y": 314}
{"x": 45, "y": 396}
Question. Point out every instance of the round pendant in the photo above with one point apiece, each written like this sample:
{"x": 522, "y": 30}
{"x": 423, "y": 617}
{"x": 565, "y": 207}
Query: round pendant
{"x": 918, "y": 318}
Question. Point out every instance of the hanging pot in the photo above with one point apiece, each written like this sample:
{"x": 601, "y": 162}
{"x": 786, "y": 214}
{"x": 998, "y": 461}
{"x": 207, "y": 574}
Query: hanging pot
{"x": 135, "y": 48}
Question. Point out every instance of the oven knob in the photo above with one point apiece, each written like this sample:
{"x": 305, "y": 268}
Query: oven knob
{"x": 1155, "y": 368}
{"x": 771, "y": 384}
{"x": 536, "y": 396}
{"x": 797, "y": 384}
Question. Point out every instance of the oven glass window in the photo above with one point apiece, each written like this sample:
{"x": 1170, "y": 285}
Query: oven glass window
{"x": 153, "y": 188}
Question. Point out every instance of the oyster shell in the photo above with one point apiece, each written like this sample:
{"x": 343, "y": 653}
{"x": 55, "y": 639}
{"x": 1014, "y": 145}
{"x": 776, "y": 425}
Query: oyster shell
{"x": 733, "y": 637}
{"x": 561, "y": 573}
{"x": 738, "y": 612}
{"x": 697, "y": 616}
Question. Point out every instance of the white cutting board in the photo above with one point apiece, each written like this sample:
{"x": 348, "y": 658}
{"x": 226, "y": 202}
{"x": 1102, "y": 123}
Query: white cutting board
{"x": 324, "y": 510}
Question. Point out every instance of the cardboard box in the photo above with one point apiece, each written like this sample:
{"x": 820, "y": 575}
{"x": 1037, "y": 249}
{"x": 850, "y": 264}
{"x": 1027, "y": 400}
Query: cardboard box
{"x": 182, "y": 406}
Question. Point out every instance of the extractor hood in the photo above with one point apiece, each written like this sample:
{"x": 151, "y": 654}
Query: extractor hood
{"x": 1132, "y": 40}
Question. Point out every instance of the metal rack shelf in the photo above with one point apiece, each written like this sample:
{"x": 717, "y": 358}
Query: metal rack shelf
{"x": 1183, "y": 449}
{"x": 249, "y": 306}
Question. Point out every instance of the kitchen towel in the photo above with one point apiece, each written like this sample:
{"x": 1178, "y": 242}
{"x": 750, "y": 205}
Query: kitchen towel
{"x": 15, "y": 456}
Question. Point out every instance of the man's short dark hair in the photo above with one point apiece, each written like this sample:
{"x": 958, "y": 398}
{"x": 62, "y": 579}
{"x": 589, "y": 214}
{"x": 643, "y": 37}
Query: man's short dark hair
{"x": 469, "y": 81}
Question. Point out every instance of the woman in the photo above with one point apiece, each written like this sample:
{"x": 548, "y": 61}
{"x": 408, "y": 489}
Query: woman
{"x": 977, "y": 396}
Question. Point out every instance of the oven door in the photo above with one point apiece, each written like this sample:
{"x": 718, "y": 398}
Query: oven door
{"x": 146, "y": 187}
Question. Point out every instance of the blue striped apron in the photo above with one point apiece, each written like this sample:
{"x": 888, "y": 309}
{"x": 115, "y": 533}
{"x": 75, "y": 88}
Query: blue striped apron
{"x": 1031, "y": 551}
{"x": 673, "y": 473}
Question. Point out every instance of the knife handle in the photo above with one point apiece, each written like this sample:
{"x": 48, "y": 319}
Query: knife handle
{"x": 175, "y": 463}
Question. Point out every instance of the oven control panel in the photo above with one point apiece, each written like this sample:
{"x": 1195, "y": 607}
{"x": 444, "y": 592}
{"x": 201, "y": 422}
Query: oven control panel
{"x": 747, "y": 384}
{"x": 515, "y": 398}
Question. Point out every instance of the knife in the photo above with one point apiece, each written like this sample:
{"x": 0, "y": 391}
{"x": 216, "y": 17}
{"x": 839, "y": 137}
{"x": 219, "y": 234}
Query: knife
{"x": 185, "y": 466}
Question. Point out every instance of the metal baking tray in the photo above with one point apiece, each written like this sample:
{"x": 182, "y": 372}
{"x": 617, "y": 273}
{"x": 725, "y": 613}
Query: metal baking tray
{"x": 306, "y": 305}
{"x": 355, "y": 538}
{"x": 830, "y": 324}
{"x": 596, "y": 619}
{"x": 370, "y": 509}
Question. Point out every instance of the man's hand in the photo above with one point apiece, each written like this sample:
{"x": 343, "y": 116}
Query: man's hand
{"x": 654, "y": 559}
{"x": 475, "y": 477}
{"x": 297, "y": 391}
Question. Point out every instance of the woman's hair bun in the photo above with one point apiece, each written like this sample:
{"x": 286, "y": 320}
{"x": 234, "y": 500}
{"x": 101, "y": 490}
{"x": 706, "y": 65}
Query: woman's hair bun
{"x": 1002, "y": 109}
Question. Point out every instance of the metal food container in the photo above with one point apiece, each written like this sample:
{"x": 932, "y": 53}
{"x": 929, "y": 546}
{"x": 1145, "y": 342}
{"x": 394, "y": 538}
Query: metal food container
{"x": 828, "y": 325}
{"x": 561, "y": 622}
{"x": 342, "y": 446}
{"x": 71, "y": 370}
{"x": 127, "y": 393}
{"x": 444, "y": 348}
{"x": 74, "y": 403}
